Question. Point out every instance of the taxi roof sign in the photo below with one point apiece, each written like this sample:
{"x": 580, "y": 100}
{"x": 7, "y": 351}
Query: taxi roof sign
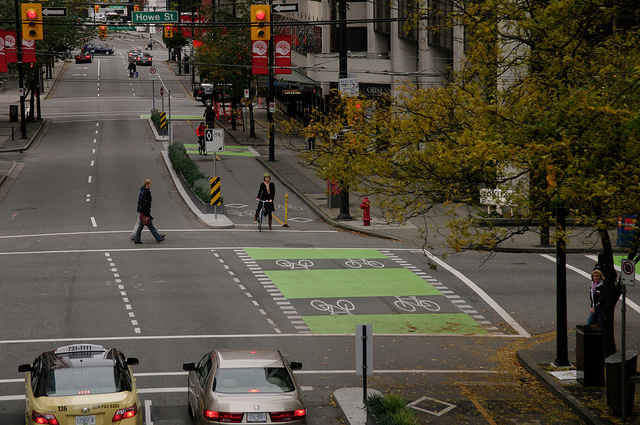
{"x": 80, "y": 348}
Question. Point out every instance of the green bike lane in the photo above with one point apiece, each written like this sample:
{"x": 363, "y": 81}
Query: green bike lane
{"x": 330, "y": 291}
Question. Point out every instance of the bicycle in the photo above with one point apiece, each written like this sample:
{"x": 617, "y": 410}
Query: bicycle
{"x": 261, "y": 215}
{"x": 356, "y": 264}
{"x": 411, "y": 303}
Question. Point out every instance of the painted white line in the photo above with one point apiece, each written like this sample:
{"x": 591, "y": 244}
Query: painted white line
{"x": 93, "y": 222}
{"x": 89, "y": 179}
{"x": 629, "y": 303}
{"x": 39, "y": 235}
{"x": 496, "y": 307}
{"x": 147, "y": 412}
{"x": 12, "y": 397}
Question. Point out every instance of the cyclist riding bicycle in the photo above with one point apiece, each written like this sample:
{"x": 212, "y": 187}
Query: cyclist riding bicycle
{"x": 266, "y": 193}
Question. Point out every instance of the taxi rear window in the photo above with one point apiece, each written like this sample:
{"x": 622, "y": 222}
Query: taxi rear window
{"x": 72, "y": 381}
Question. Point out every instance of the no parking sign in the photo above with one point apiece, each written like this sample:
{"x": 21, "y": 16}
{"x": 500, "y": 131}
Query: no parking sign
{"x": 628, "y": 268}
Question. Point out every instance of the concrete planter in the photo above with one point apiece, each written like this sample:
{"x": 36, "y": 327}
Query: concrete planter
{"x": 202, "y": 206}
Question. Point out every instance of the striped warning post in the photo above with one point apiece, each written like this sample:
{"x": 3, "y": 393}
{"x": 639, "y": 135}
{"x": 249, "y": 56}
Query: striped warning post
{"x": 163, "y": 120}
{"x": 216, "y": 195}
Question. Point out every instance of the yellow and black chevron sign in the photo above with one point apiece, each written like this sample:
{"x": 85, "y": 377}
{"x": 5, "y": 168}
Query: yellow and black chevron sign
{"x": 216, "y": 194}
{"x": 163, "y": 120}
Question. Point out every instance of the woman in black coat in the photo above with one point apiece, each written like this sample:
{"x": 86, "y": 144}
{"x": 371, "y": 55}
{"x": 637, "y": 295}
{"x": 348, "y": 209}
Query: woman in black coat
{"x": 267, "y": 193}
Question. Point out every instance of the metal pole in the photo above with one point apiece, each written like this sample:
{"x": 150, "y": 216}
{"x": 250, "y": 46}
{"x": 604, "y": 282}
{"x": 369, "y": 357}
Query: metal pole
{"x": 23, "y": 122}
{"x": 364, "y": 364}
{"x": 170, "y": 124}
{"x": 562, "y": 358}
{"x": 623, "y": 366}
{"x": 271, "y": 95}
{"x": 153, "y": 94}
{"x": 342, "y": 47}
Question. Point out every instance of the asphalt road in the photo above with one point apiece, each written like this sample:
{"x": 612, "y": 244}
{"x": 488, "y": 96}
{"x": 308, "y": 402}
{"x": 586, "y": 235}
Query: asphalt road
{"x": 444, "y": 335}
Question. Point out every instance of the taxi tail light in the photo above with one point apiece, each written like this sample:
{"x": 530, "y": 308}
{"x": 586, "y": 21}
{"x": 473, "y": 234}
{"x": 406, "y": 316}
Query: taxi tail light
{"x": 212, "y": 415}
{"x": 44, "y": 418}
{"x": 128, "y": 412}
{"x": 291, "y": 415}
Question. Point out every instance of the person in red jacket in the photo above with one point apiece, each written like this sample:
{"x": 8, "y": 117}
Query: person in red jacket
{"x": 200, "y": 134}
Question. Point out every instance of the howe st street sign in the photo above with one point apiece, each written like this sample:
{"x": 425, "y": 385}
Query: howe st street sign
{"x": 154, "y": 17}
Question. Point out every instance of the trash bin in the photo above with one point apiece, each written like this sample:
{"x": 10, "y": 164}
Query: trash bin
{"x": 13, "y": 113}
{"x": 614, "y": 381}
{"x": 590, "y": 356}
{"x": 626, "y": 230}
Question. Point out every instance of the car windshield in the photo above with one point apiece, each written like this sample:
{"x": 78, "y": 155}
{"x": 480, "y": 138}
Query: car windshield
{"x": 253, "y": 380}
{"x": 69, "y": 381}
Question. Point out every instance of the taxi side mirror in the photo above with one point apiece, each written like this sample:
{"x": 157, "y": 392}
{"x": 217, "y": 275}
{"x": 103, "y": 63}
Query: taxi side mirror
{"x": 24, "y": 368}
{"x": 132, "y": 361}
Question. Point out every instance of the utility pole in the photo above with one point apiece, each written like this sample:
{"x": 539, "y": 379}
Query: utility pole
{"x": 342, "y": 48}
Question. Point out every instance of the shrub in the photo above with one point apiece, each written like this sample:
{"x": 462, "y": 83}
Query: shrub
{"x": 183, "y": 164}
{"x": 155, "y": 117}
{"x": 390, "y": 409}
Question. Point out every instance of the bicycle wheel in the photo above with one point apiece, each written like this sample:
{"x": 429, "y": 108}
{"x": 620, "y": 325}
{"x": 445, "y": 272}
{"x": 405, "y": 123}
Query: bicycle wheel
{"x": 260, "y": 217}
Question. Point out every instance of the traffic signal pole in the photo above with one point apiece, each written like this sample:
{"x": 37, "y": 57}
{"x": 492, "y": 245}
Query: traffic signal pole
{"x": 23, "y": 123}
{"x": 271, "y": 95}
{"x": 342, "y": 48}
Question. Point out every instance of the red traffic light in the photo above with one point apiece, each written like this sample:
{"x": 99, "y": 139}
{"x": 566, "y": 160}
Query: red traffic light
{"x": 32, "y": 13}
{"x": 261, "y": 15}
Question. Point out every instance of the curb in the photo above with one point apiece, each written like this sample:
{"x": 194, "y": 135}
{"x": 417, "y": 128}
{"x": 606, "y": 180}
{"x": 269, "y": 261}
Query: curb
{"x": 556, "y": 389}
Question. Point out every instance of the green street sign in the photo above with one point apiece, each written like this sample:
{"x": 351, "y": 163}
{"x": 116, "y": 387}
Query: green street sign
{"x": 154, "y": 17}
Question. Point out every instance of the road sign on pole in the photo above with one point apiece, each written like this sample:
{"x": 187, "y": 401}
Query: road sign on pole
{"x": 628, "y": 268}
{"x": 282, "y": 8}
{"x": 154, "y": 17}
{"x": 153, "y": 73}
{"x": 214, "y": 140}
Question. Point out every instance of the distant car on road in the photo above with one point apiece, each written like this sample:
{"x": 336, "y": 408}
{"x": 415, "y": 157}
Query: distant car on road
{"x": 245, "y": 386}
{"x": 83, "y": 57}
{"x": 133, "y": 54}
{"x": 81, "y": 384}
{"x": 98, "y": 49}
{"x": 144, "y": 59}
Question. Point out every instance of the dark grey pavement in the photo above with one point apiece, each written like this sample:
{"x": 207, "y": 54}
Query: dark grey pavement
{"x": 312, "y": 190}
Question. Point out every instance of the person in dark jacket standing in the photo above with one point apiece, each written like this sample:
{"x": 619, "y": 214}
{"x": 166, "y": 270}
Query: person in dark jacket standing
{"x": 146, "y": 219}
{"x": 597, "y": 295}
{"x": 267, "y": 192}
{"x": 210, "y": 117}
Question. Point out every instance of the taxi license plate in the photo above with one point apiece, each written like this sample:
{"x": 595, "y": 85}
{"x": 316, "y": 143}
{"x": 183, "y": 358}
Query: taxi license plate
{"x": 86, "y": 420}
{"x": 257, "y": 417}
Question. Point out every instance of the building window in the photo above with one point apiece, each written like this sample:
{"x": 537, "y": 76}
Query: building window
{"x": 382, "y": 14}
{"x": 408, "y": 12}
{"x": 440, "y": 28}
{"x": 357, "y": 39}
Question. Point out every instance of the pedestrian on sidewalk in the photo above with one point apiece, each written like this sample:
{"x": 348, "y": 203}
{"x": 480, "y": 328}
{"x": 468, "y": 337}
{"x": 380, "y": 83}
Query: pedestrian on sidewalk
{"x": 145, "y": 214}
{"x": 267, "y": 193}
{"x": 200, "y": 133}
{"x": 311, "y": 135}
{"x": 210, "y": 116}
{"x": 597, "y": 294}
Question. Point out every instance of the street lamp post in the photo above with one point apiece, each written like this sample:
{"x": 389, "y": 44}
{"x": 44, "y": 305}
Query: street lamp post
{"x": 342, "y": 48}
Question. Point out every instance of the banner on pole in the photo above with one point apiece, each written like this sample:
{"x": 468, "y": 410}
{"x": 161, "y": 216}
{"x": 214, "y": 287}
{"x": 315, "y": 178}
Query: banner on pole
{"x": 283, "y": 53}
{"x": 259, "y": 57}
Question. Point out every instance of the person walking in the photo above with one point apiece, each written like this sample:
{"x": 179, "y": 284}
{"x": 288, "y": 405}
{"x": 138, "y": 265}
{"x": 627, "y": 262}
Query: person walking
{"x": 311, "y": 135}
{"x": 132, "y": 69}
{"x": 210, "y": 117}
{"x": 138, "y": 222}
{"x": 145, "y": 214}
{"x": 597, "y": 294}
{"x": 266, "y": 193}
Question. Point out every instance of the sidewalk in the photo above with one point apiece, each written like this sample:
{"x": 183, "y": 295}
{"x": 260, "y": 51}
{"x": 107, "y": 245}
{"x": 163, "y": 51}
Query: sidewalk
{"x": 311, "y": 189}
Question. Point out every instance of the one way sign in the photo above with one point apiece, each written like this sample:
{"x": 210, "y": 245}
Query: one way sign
{"x": 281, "y": 8}
{"x": 214, "y": 140}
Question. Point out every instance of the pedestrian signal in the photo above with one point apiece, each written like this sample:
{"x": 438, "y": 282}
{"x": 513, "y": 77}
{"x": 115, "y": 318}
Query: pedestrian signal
{"x": 260, "y": 22}
{"x": 32, "y": 21}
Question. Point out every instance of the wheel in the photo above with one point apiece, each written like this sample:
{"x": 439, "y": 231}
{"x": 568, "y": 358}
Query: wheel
{"x": 260, "y": 217}
{"x": 207, "y": 101}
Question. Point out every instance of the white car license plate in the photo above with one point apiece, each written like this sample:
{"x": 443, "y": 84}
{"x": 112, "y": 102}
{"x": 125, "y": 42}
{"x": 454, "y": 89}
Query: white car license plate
{"x": 86, "y": 420}
{"x": 257, "y": 417}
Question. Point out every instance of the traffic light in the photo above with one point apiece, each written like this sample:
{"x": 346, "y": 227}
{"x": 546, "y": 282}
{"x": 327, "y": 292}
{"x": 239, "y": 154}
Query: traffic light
{"x": 260, "y": 22}
{"x": 168, "y": 31}
{"x": 136, "y": 8}
{"x": 102, "y": 31}
{"x": 32, "y": 21}
{"x": 96, "y": 8}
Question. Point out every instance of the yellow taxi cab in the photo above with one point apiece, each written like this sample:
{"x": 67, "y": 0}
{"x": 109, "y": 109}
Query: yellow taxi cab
{"x": 81, "y": 384}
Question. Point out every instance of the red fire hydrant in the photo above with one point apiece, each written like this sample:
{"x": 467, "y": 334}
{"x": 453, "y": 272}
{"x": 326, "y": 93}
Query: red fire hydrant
{"x": 366, "y": 213}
